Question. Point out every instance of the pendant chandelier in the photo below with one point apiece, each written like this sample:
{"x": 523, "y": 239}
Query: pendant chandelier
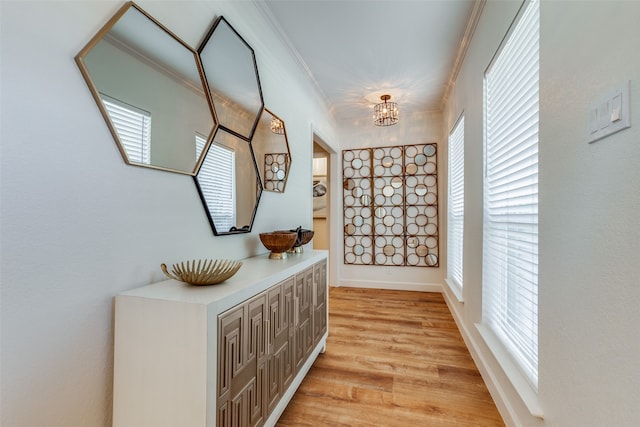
{"x": 277, "y": 126}
{"x": 385, "y": 113}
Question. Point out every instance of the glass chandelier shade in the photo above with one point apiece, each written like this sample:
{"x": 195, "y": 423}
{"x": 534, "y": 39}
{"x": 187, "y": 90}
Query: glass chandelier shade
{"x": 385, "y": 113}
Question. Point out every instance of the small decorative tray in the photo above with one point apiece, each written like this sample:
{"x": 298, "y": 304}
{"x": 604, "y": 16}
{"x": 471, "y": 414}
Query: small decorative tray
{"x": 203, "y": 272}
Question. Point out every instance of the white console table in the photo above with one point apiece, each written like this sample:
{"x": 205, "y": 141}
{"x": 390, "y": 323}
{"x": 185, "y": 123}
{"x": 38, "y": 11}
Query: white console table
{"x": 228, "y": 354}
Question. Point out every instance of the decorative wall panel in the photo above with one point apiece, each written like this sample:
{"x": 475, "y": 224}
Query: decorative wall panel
{"x": 276, "y": 169}
{"x": 390, "y": 202}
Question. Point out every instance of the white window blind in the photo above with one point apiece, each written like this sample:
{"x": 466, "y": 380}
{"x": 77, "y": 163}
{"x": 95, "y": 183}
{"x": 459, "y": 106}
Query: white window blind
{"x": 134, "y": 128}
{"x": 510, "y": 248}
{"x": 455, "y": 205}
{"x": 216, "y": 178}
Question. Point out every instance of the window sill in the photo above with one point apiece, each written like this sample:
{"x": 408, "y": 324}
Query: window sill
{"x": 455, "y": 289}
{"x": 524, "y": 389}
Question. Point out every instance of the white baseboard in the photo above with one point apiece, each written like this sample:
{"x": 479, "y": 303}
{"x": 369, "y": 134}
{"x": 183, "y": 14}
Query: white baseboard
{"x": 498, "y": 393}
{"x": 397, "y": 286}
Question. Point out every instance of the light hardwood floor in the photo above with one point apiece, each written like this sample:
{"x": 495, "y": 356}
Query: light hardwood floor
{"x": 394, "y": 358}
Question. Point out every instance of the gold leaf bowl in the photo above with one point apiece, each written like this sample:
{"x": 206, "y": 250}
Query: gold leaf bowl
{"x": 202, "y": 272}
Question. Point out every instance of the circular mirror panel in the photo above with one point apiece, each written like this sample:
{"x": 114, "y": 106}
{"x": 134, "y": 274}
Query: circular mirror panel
{"x": 358, "y": 250}
{"x": 357, "y": 192}
{"x": 429, "y": 150}
{"x": 356, "y": 163}
{"x": 349, "y": 184}
{"x": 421, "y": 189}
{"x": 389, "y": 250}
{"x": 420, "y": 159}
{"x": 388, "y": 191}
{"x": 411, "y": 169}
{"x": 380, "y": 212}
{"x": 396, "y": 182}
{"x": 431, "y": 260}
{"x": 349, "y": 229}
{"x": 422, "y": 250}
{"x": 387, "y": 161}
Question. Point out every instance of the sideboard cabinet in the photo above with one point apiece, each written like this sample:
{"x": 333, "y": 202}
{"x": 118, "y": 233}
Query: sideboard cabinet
{"x": 231, "y": 354}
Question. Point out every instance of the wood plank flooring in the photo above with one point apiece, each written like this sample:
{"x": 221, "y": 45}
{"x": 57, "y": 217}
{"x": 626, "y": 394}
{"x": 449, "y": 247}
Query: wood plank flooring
{"x": 394, "y": 358}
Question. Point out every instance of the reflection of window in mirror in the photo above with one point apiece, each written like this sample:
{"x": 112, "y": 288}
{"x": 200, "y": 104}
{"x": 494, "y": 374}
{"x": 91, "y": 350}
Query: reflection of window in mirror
{"x": 201, "y": 141}
{"x": 217, "y": 180}
{"x": 133, "y": 126}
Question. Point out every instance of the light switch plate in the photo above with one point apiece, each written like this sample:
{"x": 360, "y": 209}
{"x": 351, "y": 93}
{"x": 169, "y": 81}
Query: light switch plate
{"x": 610, "y": 114}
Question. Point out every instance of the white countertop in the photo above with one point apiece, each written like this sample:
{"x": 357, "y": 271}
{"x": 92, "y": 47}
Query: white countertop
{"x": 256, "y": 274}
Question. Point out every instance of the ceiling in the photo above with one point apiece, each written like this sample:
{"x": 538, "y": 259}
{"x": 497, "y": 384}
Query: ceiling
{"x": 358, "y": 50}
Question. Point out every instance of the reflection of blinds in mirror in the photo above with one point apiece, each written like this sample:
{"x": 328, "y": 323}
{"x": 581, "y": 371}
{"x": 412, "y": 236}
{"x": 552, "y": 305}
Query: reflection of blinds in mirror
{"x": 217, "y": 180}
{"x": 134, "y": 129}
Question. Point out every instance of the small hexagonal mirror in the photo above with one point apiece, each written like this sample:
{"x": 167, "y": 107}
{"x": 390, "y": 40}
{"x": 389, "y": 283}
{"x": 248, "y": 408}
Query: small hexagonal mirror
{"x": 148, "y": 85}
{"x": 231, "y": 73}
{"x": 271, "y": 149}
{"x": 229, "y": 184}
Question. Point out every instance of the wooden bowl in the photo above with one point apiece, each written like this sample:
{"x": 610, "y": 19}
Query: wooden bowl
{"x": 203, "y": 272}
{"x": 278, "y": 242}
{"x": 304, "y": 237}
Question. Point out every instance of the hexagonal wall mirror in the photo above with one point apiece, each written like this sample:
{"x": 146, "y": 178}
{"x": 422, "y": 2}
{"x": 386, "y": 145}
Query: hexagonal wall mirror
{"x": 149, "y": 88}
{"x": 271, "y": 149}
{"x": 229, "y": 184}
{"x": 231, "y": 74}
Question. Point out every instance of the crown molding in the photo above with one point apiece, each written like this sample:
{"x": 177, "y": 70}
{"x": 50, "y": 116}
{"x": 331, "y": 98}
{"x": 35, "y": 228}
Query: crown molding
{"x": 478, "y": 6}
{"x": 268, "y": 16}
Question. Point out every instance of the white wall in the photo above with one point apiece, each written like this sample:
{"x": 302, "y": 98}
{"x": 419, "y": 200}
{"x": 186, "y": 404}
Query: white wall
{"x": 80, "y": 226}
{"x": 589, "y": 347}
{"x": 416, "y": 128}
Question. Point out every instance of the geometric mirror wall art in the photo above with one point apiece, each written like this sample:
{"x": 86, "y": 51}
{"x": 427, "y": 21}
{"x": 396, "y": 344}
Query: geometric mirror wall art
{"x": 390, "y": 200}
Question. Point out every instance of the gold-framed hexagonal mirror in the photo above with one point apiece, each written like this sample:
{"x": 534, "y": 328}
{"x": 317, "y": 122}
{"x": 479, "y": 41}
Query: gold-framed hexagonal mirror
{"x": 271, "y": 148}
{"x": 231, "y": 74}
{"x": 150, "y": 89}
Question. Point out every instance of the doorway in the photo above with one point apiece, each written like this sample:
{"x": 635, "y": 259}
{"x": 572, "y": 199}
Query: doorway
{"x": 321, "y": 197}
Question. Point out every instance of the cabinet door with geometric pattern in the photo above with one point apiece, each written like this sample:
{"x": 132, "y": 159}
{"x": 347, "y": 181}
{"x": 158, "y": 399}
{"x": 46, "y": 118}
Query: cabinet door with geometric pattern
{"x": 304, "y": 316}
{"x": 319, "y": 301}
{"x": 242, "y": 364}
{"x": 280, "y": 337}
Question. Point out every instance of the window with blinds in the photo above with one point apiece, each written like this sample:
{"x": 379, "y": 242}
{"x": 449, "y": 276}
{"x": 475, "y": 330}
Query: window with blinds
{"x": 216, "y": 178}
{"x": 455, "y": 205}
{"x": 133, "y": 126}
{"x": 510, "y": 228}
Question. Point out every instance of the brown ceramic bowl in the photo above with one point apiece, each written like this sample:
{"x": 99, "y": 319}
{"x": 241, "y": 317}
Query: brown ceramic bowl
{"x": 278, "y": 242}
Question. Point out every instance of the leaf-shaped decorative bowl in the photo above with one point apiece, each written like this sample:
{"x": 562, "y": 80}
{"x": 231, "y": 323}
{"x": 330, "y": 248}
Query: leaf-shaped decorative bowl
{"x": 203, "y": 272}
